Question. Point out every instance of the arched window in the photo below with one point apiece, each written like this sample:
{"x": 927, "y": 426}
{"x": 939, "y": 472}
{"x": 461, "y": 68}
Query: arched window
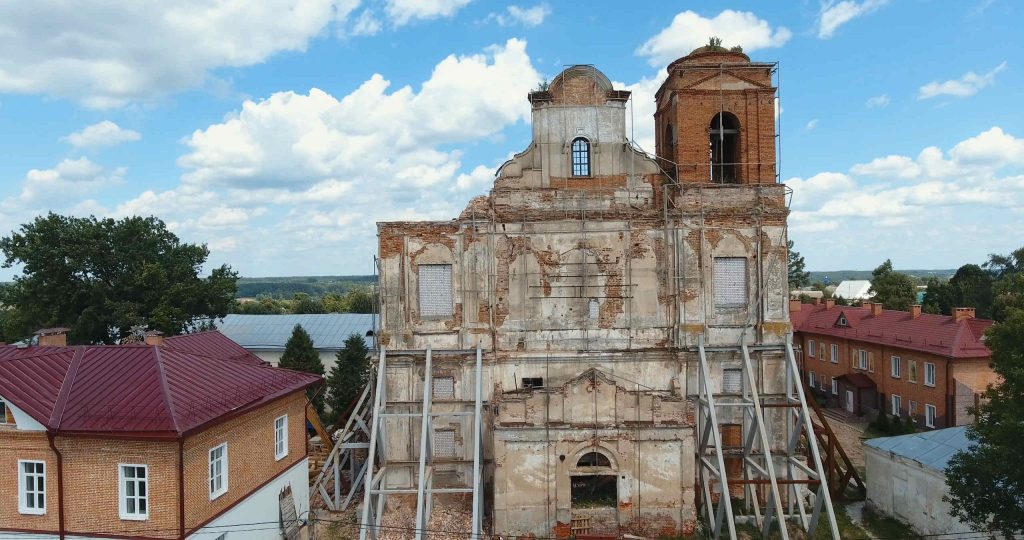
{"x": 724, "y": 148}
{"x": 593, "y": 459}
{"x": 580, "y": 157}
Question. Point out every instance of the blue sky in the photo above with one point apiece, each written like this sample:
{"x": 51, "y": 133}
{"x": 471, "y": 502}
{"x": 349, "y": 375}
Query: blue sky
{"x": 279, "y": 132}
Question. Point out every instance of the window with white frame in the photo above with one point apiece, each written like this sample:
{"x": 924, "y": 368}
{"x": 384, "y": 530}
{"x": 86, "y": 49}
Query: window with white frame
{"x": 32, "y": 487}
{"x": 835, "y": 353}
{"x": 895, "y": 366}
{"x": 912, "y": 371}
{"x": 134, "y": 490}
{"x": 218, "y": 471}
{"x": 730, "y": 282}
{"x": 811, "y": 380}
{"x": 929, "y": 415}
{"x": 280, "y": 437}
{"x": 812, "y": 348}
{"x": 580, "y": 157}
{"x": 862, "y": 359}
{"x": 929, "y": 374}
{"x": 435, "y": 283}
{"x": 835, "y": 387}
{"x": 897, "y": 404}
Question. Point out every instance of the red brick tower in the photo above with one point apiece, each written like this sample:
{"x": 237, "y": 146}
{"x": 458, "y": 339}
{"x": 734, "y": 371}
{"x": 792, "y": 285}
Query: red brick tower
{"x": 715, "y": 120}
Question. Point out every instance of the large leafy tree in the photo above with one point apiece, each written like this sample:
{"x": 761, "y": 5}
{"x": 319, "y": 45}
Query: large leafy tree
{"x": 101, "y": 277}
{"x": 348, "y": 376}
{"x": 986, "y": 481}
{"x": 300, "y": 355}
{"x": 895, "y": 290}
{"x": 798, "y": 275}
{"x": 969, "y": 287}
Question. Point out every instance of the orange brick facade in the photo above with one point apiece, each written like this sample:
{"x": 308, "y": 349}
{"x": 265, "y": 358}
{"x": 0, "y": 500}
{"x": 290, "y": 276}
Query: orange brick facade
{"x": 90, "y": 470}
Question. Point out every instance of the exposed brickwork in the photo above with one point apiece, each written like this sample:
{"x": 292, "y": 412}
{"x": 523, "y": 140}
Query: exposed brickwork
{"x": 16, "y": 445}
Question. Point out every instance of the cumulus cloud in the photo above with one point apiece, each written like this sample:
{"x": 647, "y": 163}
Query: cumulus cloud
{"x": 888, "y": 167}
{"x": 639, "y": 122}
{"x": 877, "y": 102}
{"x": 68, "y": 180}
{"x": 106, "y": 54}
{"x": 967, "y": 85}
{"x": 835, "y": 14}
{"x": 402, "y": 12}
{"x": 366, "y": 24}
{"x": 689, "y": 30}
{"x": 516, "y": 15}
{"x": 811, "y": 125}
{"x": 102, "y": 134}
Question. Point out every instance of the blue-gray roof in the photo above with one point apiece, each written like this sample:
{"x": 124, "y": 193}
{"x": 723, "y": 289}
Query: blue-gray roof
{"x": 932, "y": 449}
{"x": 328, "y": 330}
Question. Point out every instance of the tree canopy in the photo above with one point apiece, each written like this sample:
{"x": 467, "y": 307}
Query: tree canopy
{"x": 895, "y": 290}
{"x": 300, "y": 355}
{"x": 798, "y": 274}
{"x": 348, "y": 376}
{"x": 986, "y": 483}
{"x": 969, "y": 287}
{"x": 101, "y": 277}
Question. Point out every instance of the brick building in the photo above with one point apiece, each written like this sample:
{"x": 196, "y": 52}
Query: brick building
{"x": 188, "y": 437}
{"x": 867, "y": 359}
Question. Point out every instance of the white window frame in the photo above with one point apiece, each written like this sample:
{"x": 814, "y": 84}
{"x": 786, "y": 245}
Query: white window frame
{"x": 281, "y": 437}
{"x": 929, "y": 415}
{"x": 835, "y": 353}
{"x": 895, "y": 366}
{"x": 812, "y": 348}
{"x": 23, "y": 491}
{"x": 929, "y": 367}
{"x": 862, "y": 359}
{"x": 4, "y": 407}
{"x": 217, "y": 492}
{"x": 835, "y": 387}
{"x": 897, "y": 404}
{"x": 812, "y": 380}
{"x": 140, "y": 494}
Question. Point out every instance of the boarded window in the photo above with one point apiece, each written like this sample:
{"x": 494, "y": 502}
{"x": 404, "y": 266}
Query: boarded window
{"x": 443, "y": 387}
{"x": 730, "y": 282}
{"x": 732, "y": 381}
{"x": 594, "y": 308}
{"x": 444, "y": 443}
{"x": 435, "y": 290}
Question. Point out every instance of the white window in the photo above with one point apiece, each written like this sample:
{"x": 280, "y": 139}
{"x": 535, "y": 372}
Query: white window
{"x": 897, "y": 404}
{"x": 835, "y": 387}
{"x": 218, "y": 471}
{"x": 811, "y": 380}
{"x": 443, "y": 388}
{"x": 280, "y": 437}
{"x": 812, "y": 348}
{"x": 435, "y": 290}
{"x": 732, "y": 381}
{"x": 929, "y": 374}
{"x": 134, "y": 489}
{"x": 730, "y": 282}
{"x": 594, "y": 308}
{"x": 862, "y": 359}
{"x": 3, "y": 412}
{"x": 929, "y": 415}
{"x": 32, "y": 487}
{"x": 835, "y": 353}
{"x": 895, "y": 366}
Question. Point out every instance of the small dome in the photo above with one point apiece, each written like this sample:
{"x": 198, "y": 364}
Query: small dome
{"x": 709, "y": 54}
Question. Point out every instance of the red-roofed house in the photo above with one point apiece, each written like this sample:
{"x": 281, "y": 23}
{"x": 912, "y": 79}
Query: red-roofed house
{"x": 184, "y": 437}
{"x": 868, "y": 359}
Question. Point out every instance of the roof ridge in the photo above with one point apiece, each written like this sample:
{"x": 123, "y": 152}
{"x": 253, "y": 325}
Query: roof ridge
{"x": 57, "y": 415}
{"x": 165, "y": 391}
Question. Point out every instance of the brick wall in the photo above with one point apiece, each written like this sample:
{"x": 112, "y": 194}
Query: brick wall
{"x": 971, "y": 378}
{"x": 251, "y": 462}
{"x": 15, "y": 445}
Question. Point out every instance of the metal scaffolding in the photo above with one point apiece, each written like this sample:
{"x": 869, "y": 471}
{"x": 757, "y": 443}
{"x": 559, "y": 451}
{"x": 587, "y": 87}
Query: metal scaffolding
{"x": 782, "y": 456}
{"x": 377, "y": 489}
{"x": 346, "y": 457}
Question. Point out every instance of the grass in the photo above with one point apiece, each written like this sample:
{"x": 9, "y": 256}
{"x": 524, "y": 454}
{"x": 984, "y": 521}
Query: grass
{"x": 887, "y": 527}
{"x": 848, "y": 530}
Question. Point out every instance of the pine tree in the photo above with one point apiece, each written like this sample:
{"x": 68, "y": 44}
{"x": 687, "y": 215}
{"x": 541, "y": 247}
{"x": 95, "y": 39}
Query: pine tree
{"x": 348, "y": 376}
{"x": 798, "y": 275}
{"x": 300, "y": 355}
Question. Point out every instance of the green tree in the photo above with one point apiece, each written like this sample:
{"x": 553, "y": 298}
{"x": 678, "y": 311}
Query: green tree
{"x": 938, "y": 297}
{"x": 100, "y": 277}
{"x": 972, "y": 287}
{"x": 300, "y": 355}
{"x": 798, "y": 275}
{"x": 895, "y": 290}
{"x": 985, "y": 486}
{"x": 1004, "y": 265}
{"x": 348, "y": 376}
{"x": 304, "y": 303}
{"x": 359, "y": 300}
{"x": 1007, "y": 295}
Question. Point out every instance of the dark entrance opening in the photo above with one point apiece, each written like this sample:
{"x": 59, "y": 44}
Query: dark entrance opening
{"x": 593, "y": 491}
{"x": 725, "y": 148}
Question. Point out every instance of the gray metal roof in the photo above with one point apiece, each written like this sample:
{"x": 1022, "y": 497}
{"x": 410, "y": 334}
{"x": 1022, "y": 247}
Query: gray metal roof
{"x": 328, "y": 330}
{"x": 932, "y": 449}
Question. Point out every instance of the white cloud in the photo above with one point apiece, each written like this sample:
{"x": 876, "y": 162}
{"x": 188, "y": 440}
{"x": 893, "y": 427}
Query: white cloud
{"x": 689, "y": 30}
{"x": 105, "y": 54}
{"x": 101, "y": 134}
{"x": 888, "y": 167}
{"x": 402, "y": 12}
{"x": 967, "y": 85}
{"x": 811, "y": 125}
{"x": 877, "y": 102}
{"x": 835, "y": 14}
{"x": 68, "y": 180}
{"x": 992, "y": 148}
{"x": 366, "y": 24}
{"x": 516, "y": 15}
{"x": 639, "y": 123}
{"x": 818, "y": 188}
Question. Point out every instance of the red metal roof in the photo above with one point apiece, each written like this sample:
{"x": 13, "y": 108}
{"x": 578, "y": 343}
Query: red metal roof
{"x": 212, "y": 344}
{"x": 936, "y": 334}
{"x": 139, "y": 390}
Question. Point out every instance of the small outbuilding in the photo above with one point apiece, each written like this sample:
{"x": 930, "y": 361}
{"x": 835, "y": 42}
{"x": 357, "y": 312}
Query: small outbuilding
{"x": 906, "y": 478}
{"x": 854, "y": 289}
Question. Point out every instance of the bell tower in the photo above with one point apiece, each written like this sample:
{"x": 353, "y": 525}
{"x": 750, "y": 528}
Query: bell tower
{"x": 715, "y": 119}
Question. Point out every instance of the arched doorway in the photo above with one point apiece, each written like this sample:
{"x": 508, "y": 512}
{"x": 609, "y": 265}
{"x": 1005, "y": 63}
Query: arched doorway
{"x": 724, "y": 148}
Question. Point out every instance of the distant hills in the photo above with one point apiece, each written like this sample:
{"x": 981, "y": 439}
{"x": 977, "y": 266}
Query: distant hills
{"x": 835, "y": 276}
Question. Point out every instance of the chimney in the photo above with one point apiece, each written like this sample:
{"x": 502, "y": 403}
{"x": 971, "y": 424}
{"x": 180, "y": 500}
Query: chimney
{"x": 915, "y": 311}
{"x": 794, "y": 305}
{"x": 53, "y": 337}
{"x": 962, "y": 313}
{"x": 830, "y": 303}
{"x": 154, "y": 337}
{"x": 876, "y": 309}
